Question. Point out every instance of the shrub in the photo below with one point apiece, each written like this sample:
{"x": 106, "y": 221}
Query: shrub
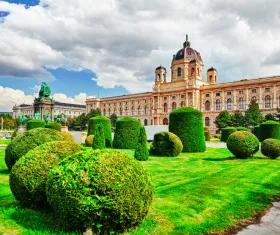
{"x": 241, "y": 128}
{"x": 106, "y": 122}
{"x": 99, "y": 138}
{"x": 67, "y": 136}
{"x": 31, "y": 124}
{"x": 187, "y": 124}
{"x": 103, "y": 189}
{"x": 126, "y": 133}
{"x": 15, "y": 133}
{"x": 243, "y": 144}
{"x": 218, "y": 136}
{"x": 271, "y": 148}
{"x": 256, "y": 131}
{"x": 54, "y": 125}
{"x": 269, "y": 129}
{"x": 88, "y": 141}
{"x": 28, "y": 141}
{"x": 29, "y": 175}
{"x": 166, "y": 144}
{"x": 226, "y": 132}
{"x": 207, "y": 135}
{"x": 142, "y": 152}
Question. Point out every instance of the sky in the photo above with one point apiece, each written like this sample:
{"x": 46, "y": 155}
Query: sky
{"x": 112, "y": 47}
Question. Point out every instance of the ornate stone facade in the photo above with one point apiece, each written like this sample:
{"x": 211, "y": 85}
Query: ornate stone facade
{"x": 187, "y": 88}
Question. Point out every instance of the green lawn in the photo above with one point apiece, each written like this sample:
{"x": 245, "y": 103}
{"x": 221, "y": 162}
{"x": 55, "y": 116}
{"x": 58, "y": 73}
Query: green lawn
{"x": 5, "y": 141}
{"x": 194, "y": 194}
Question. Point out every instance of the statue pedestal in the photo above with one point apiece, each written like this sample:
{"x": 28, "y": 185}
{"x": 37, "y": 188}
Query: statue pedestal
{"x": 21, "y": 129}
{"x": 83, "y": 137}
{"x": 64, "y": 128}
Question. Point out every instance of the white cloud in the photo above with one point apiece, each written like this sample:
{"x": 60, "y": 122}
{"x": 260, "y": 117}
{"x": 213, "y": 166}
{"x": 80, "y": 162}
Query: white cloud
{"x": 123, "y": 41}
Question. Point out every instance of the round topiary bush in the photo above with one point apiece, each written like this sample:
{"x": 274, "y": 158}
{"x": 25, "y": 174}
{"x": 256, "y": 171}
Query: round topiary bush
{"x": 243, "y": 144}
{"x": 226, "y": 132}
{"x": 166, "y": 144}
{"x": 126, "y": 133}
{"x": 54, "y": 125}
{"x": 187, "y": 124}
{"x": 31, "y": 124}
{"x": 88, "y": 141}
{"x": 102, "y": 189}
{"x": 29, "y": 175}
{"x": 256, "y": 131}
{"x": 271, "y": 148}
{"x": 106, "y": 122}
{"x": 241, "y": 128}
{"x": 67, "y": 136}
{"x": 269, "y": 130}
{"x": 29, "y": 140}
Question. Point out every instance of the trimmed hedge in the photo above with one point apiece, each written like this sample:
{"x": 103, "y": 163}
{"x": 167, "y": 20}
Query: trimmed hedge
{"x": 166, "y": 144}
{"x": 28, "y": 141}
{"x": 256, "y": 131}
{"x": 207, "y": 135}
{"x": 241, "y": 128}
{"x": 142, "y": 153}
{"x": 269, "y": 130}
{"x": 88, "y": 141}
{"x": 106, "y": 122}
{"x": 54, "y": 126}
{"x": 271, "y": 148}
{"x": 226, "y": 132}
{"x": 31, "y": 124}
{"x": 126, "y": 133}
{"x": 102, "y": 189}
{"x": 187, "y": 124}
{"x": 67, "y": 136}
{"x": 99, "y": 138}
{"x": 29, "y": 175}
{"x": 243, "y": 144}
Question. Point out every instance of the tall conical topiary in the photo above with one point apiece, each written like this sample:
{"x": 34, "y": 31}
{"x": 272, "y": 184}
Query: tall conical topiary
{"x": 141, "y": 152}
{"x": 99, "y": 138}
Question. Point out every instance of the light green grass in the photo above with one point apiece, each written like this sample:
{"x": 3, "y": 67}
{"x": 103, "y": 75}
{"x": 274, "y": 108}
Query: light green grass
{"x": 5, "y": 141}
{"x": 195, "y": 193}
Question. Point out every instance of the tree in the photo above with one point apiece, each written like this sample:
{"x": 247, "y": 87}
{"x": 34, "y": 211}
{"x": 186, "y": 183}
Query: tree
{"x": 223, "y": 119}
{"x": 94, "y": 113}
{"x": 269, "y": 117}
{"x": 113, "y": 119}
{"x": 141, "y": 152}
{"x": 237, "y": 118}
{"x": 99, "y": 138}
{"x": 253, "y": 115}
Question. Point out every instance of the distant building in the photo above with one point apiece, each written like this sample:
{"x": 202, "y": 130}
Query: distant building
{"x": 10, "y": 113}
{"x": 187, "y": 88}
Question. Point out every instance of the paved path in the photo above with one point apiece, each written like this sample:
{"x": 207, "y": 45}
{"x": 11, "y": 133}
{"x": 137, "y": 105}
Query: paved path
{"x": 215, "y": 144}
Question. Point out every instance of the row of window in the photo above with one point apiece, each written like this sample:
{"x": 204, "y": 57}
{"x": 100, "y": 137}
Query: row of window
{"x": 240, "y": 92}
{"x": 139, "y": 111}
{"x": 174, "y": 97}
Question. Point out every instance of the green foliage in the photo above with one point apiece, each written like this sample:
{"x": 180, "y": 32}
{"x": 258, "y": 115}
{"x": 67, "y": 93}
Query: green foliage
{"x": 28, "y": 141}
{"x": 92, "y": 126}
{"x": 142, "y": 152}
{"x": 256, "y": 131}
{"x": 31, "y": 124}
{"x": 241, "y": 128}
{"x": 54, "y": 126}
{"x": 223, "y": 119}
{"x": 166, "y": 144}
{"x": 15, "y": 133}
{"x": 187, "y": 124}
{"x": 269, "y": 117}
{"x": 8, "y": 121}
{"x": 113, "y": 119}
{"x": 29, "y": 175}
{"x": 94, "y": 113}
{"x": 226, "y": 132}
{"x": 207, "y": 135}
{"x": 99, "y": 137}
{"x": 271, "y": 148}
{"x": 237, "y": 118}
{"x": 269, "y": 129}
{"x": 67, "y": 136}
{"x": 243, "y": 144}
{"x": 88, "y": 141}
{"x": 253, "y": 115}
{"x": 103, "y": 189}
{"x": 126, "y": 134}
{"x": 218, "y": 136}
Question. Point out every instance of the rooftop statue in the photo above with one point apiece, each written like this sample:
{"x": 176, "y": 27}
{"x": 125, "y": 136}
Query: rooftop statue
{"x": 45, "y": 91}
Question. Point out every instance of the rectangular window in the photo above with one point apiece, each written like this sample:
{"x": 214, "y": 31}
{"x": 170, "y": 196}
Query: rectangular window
{"x": 240, "y": 92}
{"x": 267, "y": 89}
{"x": 173, "y": 97}
{"x": 207, "y": 95}
{"x": 182, "y": 96}
{"x": 229, "y": 93}
{"x": 165, "y": 98}
{"x": 254, "y": 91}
{"x": 217, "y": 94}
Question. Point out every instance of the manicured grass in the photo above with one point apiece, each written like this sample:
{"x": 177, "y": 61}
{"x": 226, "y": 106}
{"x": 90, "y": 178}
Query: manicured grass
{"x": 5, "y": 141}
{"x": 195, "y": 193}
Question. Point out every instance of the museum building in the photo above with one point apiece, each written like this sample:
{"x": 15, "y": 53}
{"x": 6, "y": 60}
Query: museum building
{"x": 187, "y": 88}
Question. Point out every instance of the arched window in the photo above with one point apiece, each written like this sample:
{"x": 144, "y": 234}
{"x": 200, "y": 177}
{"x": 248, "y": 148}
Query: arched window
{"x": 182, "y": 104}
{"x": 179, "y": 72}
{"x": 218, "y": 105}
{"x": 132, "y": 110}
{"x": 165, "y": 108}
{"x": 197, "y": 71}
{"x": 146, "y": 109}
{"x": 145, "y": 122}
{"x": 115, "y": 110}
{"x": 109, "y": 112}
{"x": 151, "y": 121}
{"x": 158, "y": 77}
{"x": 192, "y": 73}
{"x": 207, "y": 105}
{"x": 229, "y": 104}
{"x": 267, "y": 101}
{"x": 104, "y": 112}
{"x": 165, "y": 121}
{"x": 120, "y": 111}
{"x": 126, "y": 111}
{"x": 254, "y": 98}
{"x": 139, "y": 110}
{"x": 241, "y": 103}
{"x": 207, "y": 121}
{"x": 210, "y": 78}
{"x": 174, "y": 105}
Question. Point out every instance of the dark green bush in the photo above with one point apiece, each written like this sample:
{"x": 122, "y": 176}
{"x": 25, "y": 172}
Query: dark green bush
{"x": 166, "y": 144}
{"x": 29, "y": 175}
{"x": 187, "y": 124}
{"x": 31, "y": 124}
{"x": 271, "y": 148}
{"x": 99, "y": 138}
{"x": 207, "y": 135}
{"x": 269, "y": 130}
{"x": 54, "y": 125}
{"x": 243, "y": 144}
{"x": 256, "y": 131}
{"x": 226, "y": 132}
{"x": 126, "y": 133}
{"x": 103, "y": 189}
{"x": 241, "y": 128}
{"x": 106, "y": 122}
{"x": 15, "y": 133}
{"x": 142, "y": 152}
{"x": 27, "y": 141}
{"x": 88, "y": 141}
